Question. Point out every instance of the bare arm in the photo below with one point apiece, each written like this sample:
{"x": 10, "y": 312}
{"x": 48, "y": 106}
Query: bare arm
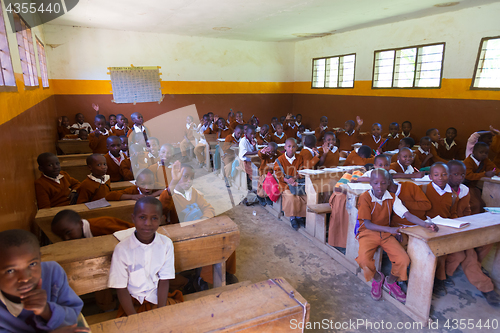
{"x": 163, "y": 286}
{"x": 125, "y": 301}
{"x": 413, "y": 219}
{"x": 375, "y": 227}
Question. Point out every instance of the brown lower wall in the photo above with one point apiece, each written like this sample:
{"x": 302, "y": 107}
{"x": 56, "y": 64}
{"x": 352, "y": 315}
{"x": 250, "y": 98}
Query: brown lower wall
{"x": 466, "y": 115}
{"x": 22, "y": 139}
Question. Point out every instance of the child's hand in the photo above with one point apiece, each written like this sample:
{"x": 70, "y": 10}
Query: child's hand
{"x": 490, "y": 173}
{"x": 431, "y": 226}
{"x": 419, "y": 174}
{"x": 71, "y": 329}
{"x": 359, "y": 120}
{"x": 95, "y": 107}
{"x": 73, "y": 196}
{"x": 36, "y": 300}
{"x": 290, "y": 181}
{"x": 137, "y": 196}
{"x": 97, "y": 132}
{"x": 316, "y": 151}
{"x": 326, "y": 147}
{"x": 60, "y": 121}
{"x": 177, "y": 171}
{"x": 216, "y": 117}
{"x": 494, "y": 131}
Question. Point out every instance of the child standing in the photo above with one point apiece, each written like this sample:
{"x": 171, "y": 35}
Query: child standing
{"x": 119, "y": 166}
{"x": 143, "y": 263}
{"x": 97, "y": 185}
{"x": 268, "y": 156}
{"x": 97, "y": 139}
{"x": 247, "y": 149}
{"x": 35, "y": 295}
{"x": 55, "y": 187}
{"x": 138, "y": 133}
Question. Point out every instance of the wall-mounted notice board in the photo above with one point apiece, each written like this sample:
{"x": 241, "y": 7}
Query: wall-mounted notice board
{"x": 135, "y": 84}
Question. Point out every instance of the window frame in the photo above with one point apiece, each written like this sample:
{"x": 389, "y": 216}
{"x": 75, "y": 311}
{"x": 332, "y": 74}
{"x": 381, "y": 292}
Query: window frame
{"x": 338, "y": 73}
{"x": 477, "y": 63}
{"x": 415, "y": 69}
{"x": 42, "y": 62}
{"x": 5, "y": 57}
{"x": 33, "y": 78}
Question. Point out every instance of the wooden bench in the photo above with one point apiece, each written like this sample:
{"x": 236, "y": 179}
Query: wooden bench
{"x": 491, "y": 192}
{"x": 320, "y": 211}
{"x": 76, "y": 168}
{"x": 64, "y": 158}
{"x": 119, "y": 209}
{"x": 118, "y": 186}
{"x": 74, "y": 146}
{"x": 268, "y": 306}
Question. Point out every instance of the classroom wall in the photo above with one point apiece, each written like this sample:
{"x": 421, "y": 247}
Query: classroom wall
{"x": 27, "y": 128}
{"x": 452, "y": 105}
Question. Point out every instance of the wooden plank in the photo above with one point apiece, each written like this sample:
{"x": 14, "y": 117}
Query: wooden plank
{"x": 118, "y": 186}
{"x": 320, "y": 227}
{"x": 87, "y": 261}
{"x": 491, "y": 192}
{"x": 119, "y": 209}
{"x": 323, "y": 208}
{"x": 219, "y": 274}
{"x": 74, "y": 146}
{"x": 64, "y": 158}
{"x": 260, "y": 307}
{"x": 76, "y": 168}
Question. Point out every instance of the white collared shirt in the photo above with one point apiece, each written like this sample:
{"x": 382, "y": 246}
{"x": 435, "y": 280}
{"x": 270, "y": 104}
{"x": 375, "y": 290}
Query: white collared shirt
{"x": 97, "y": 180}
{"x": 138, "y": 129}
{"x": 86, "y": 229}
{"x": 105, "y": 133}
{"x": 353, "y": 131}
{"x": 57, "y": 179}
{"x": 379, "y": 138}
{"x": 409, "y": 170}
{"x": 138, "y": 267}
{"x": 463, "y": 190}
{"x": 405, "y": 136}
{"x": 474, "y": 159}
{"x": 237, "y": 140}
{"x": 78, "y": 127}
{"x": 290, "y": 160}
{"x": 422, "y": 151}
{"x": 187, "y": 194}
{"x": 398, "y": 206}
{"x": 447, "y": 189}
{"x": 369, "y": 172}
{"x": 435, "y": 144}
{"x": 119, "y": 128}
{"x": 245, "y": 147}
{"x": 334, "y": 149}
{"x": 395, "y": 136}
{"x": 298, "y": 124}
{"x": 117, "y": 161}
{"x": 448, "y": 147}
{"x": 14, "y": 309}
{"x": 276, "y": 135}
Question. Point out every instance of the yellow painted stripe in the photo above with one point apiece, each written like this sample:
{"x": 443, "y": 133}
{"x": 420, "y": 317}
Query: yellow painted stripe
{"x": 13, "y": 103}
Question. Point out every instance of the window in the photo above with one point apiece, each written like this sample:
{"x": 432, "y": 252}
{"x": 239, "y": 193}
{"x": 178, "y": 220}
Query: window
{"x": 410, "y": 67}
{"x": 42, "y": 61}
{"x": 26, "y": 51}
{"x": 487, "y": 71}
{"x": 7, "y": 77}
{"x": 334, "y": 72}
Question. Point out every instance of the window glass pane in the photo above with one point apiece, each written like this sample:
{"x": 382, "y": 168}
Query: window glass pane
{"x": 319, "y": 67}
{"x": 332, "y": 73}
{"x": 430, "y": 65}
{"x": 384, "y": 67}
{"x": 488, "y": 71}
{"x": 347, "y": 77}
{"x": 404, "y": 71}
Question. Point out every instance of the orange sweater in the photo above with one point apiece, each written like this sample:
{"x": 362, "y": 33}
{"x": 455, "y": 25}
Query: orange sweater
{"x": 495, "y": 149}
{"x": 396, "y": 167}
{"x": 278, "y": 140}
{"x": 63, "y": 132}
{"x": 367, "y": 140}
{"x": 310, "y": 162}
{"x": 263, "y": 140}
{"x": 354, "y": 159}
{"x": 456, "y": 151}
{"x": 51, "y": 194}
{"x": 117, "y": 195}
{"x": 441, "y": 205}
{"x": 119, "y": 172}
{"x": 98, "y": 144}
{"x": 180, "y": 204}
{"x": 107, "y": 225}
{"x": 346, "y": 141}
{"x": 157, "y": 170}
{"x": 463, "y": 208}
{"x": 372, "y": 211}
{"x": 332, "y": 159}
{"x": 90, "y": 190}
{"x": 471, "y": 173}
{"x": 319, "y": 133}
{"x": 265, "y": 160}
{"x": 416, "y": 162}
{"x": 235, "y": 123}
{"x": 119, "y": 132}
{"x": 290, "y": 169}
{"x": 414, "y": 199}
{"x": 223, "y": 133}
{"x": 392, "y": 143}
{"x": 290, "y": 130}
{"x": 436, "y": 157}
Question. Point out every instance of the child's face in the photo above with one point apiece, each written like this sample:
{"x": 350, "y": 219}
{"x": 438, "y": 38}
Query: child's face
{"x": 206, "y": 120}
{"x": 302, "y": 129}
{"x": 138, "y": 119}
{"x": 282, "y": 119}
{"x": 65, "y": 121}
{"x": 211, "y": 117}
{"x": 405, "y": 158}
{"x": 330, "y": 139}
{"x": 439, "y": 176}
{"x": 406, "y": 128}
{"x": 166, "y": 153}
{"x": 290, "y": 148}
{"x": 115, "y": 146}
{"x": 486, "y": 138}
{"x": 425, "y": 145}
{"x": 186, "y": 180}
{"x": 279, "y": 129}
{"x": 82, "y": 134}
{"x": 80, "y": 118}
{"x": 403, "y": 144}
{"x": 154, "y": 146}
{"x": 147, "y": 218}
{"x": 98, "y": 166}
{"x": 239, "y": 117}
{"x": 50, "y": 167}
{"x": 145, "y": 183}
{"x": 189, "y": 120}
{"x": 68, "y": 230}
{"x": 100, "y": 124}
{"x": 382, "y": 163}
{"x": 379, "y": 184}
{"x": 457, "y": 175}
{"x": 299, "y": 118}
{"x": 264, "y": 130}
{"x": 481, "y": 153}
{"x": 272, "y": 150}
{"x": 250, "y": 134}
{"x": 20, "y": 271}
{"x": 451, "y": 134}
{"x": 120, "y": 121}
{"x": 112, "y": 120}
{"x": 376, "y": 131}
{"x": 221, "y": 123}
{"x": 348, "y": 126}
{"x": 124, "y": 144}
{"x": 323, "y": 122}
{"x": 435, "y": 136}
{"x": 237, "y": 133}
{"x": 274, "y": 121}
{"x": 393, "y": 129}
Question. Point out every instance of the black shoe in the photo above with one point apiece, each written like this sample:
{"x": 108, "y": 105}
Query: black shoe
{"x": 492, "y": 298}
{"x": 231, "y": 279}
{"x": 262, "y": 201}
{"x": 439, "y": 288}
{"x": 403, "y": 285}
{"x": 449, "y": 281}
{"x": 269, "y": 201}
{"x": 302, "y": 221}
{"x": 199, "y": 284}
{"x": 294, "y": 223}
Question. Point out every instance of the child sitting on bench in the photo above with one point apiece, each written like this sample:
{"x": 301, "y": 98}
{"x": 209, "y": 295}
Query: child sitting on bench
{"x": 144, "y": 186}
{"x": 143, "y": 263}
{"x": 97, "y": 185}
{"x": 119, "y": 166}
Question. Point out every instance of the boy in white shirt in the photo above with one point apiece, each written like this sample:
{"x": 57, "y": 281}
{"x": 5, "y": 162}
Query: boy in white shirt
{"x": 143, "y": 263}
{"x": 248, "y": 148}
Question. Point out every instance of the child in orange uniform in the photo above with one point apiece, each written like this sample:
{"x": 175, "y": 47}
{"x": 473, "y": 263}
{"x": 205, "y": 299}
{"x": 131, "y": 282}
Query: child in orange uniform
{"x": 290, "y": 127}
{"x": 138, "y": 133}
{"x": 119, "y": 166}
{"x": 321, "y": 130}
{"x": 55, "y": 187}
{"x": 403, "y": 167}
{"x": 165, "y": 158}
{"x": 309, "y": 152}
{"x": 449, "y": 148}
{"x": 391, "y": 140}
{"x": 97, "y": 139}
{"x": 268, "y": 156}
{"x": 424, "y": 154}
{"x": 97, "y": 185}
{"x": 119, "y": 127}
{"x": 406, "y": 128}
{"x": 279, "y": 136}
{"x": 144, "y": 186}
{"x": 361, "y": 157}
{"x": 348, "y": 136}
{"x": 329, "y": 152}
{"x": 433, "y": 133}
{"x": 263, "y": 137}
{"x": 63, "y": 129}
{"x": 372, "y": 139}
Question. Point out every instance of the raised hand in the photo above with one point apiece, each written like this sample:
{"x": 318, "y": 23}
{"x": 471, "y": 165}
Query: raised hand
{"x": 95, "y": 107}
{"x": 177, "y": 171}
{"x": 359, "y": 120}
{"x": 326, "y": 147}
{"x": 494, "y": 130}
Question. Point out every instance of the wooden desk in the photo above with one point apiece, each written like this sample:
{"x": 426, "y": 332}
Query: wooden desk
{"x": 425, "y": 246}
{"x": 64, "y": 158}
{"x": 74, "y": 146}
{"x": 118, "y": 186}
{"x": 261, "y": 307}
{"x": 208, "y": 242}
{"x": 491, "y": 192}
{"x": 119, "y": 209}
{"x": 76, "y": 168}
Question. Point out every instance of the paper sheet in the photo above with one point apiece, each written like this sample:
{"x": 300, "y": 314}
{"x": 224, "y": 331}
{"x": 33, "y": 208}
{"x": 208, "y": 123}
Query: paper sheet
{"x": 448, "y": 222}
{"x": 97, "y": 204}
{"x": 359, "y": 186}
{"x": 495, "y": 178}
{"x": 493, "y": 210}
{"x": 310, "y": 172}
{"x": 135, "y": 84}
{"x": 423, "y": 179}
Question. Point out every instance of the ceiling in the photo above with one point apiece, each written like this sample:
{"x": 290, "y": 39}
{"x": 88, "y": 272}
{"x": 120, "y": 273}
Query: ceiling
{"x": 257, "y": 20}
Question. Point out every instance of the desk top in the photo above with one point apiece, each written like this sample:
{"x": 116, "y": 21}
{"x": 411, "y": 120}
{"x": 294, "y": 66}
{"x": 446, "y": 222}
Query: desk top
{"x": 495, "y": 180}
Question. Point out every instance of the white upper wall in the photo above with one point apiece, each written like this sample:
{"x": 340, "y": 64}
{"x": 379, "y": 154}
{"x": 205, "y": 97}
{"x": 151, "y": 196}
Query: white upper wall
{"x": 86, "y": 53}
{"x": 461, "y": 30}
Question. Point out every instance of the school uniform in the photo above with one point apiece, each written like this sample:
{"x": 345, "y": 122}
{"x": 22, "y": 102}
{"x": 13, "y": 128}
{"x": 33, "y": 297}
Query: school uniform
{"x": 98, "y": 143}
{"x": 290, "y": 130}
{"x": 92, "y": 189}
{"x": 227, "y": 154}
{"x": 266, "y": 165}
{"x": 410, "y": 135}
{"x": 223, "y": 132}
{"x": 354, "y": 159}
{"x": 188, "y": 139}
{"x": 332, "y": 157}
{"x": 117, "y": 195}
{"x": 236, "y": 123}
{"x": 392, "y": 142}
{"x": 119, "y": 168}
{"x": 86, "y": 126}
{"x": 293, "y": 205}
{"x": 157, "y": 170}
{"x": 414, "y": 199}
{"x": 119, "y": 131}
{"x": 188, "y": 204}
{"x": 421, "y": 155}
{"x": 279, "y": 139}
{"x": 310, "y": 158}
{"x": 435, "y": 147}
{"x": 474, "y": 171}
{"x": 346, "y": 140}
{"x": 451, "y": 151}
{"x": 339, "y": 220}
{"x": 245, "y": 146}
{"x": 320, "y": 132}
{"x": 139, "y": 267}
{"x": 367, "y": 139}
{"x": 63, "y": 131}
{"x": 416, "y": 161}
{"x": 495, "y": 149}
{"x": 54, "y": 192}
{"x": 199, "y": 150}
{"x": 400, "y": 169}
{"x": 379, "y": 211}
{"x": 64, "y": 304}
{"x": 263, "y": 140}
{"x": 136, "y": 135}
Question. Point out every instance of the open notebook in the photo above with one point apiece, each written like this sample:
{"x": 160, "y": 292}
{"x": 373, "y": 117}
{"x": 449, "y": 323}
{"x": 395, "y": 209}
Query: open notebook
{"x": 449, "y": 222}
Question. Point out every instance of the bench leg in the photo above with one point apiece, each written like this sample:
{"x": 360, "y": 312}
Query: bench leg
{"x": 219, "y": 274}
{"x": 320, "y": 229}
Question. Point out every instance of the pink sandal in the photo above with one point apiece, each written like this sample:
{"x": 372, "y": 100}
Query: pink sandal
{"x": 395, "y": 291}
{"x": 377, "y": 287}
